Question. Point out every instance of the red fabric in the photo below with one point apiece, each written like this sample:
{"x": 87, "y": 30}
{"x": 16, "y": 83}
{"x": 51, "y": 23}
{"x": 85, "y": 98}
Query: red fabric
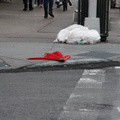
{"x": 52, "y": 56}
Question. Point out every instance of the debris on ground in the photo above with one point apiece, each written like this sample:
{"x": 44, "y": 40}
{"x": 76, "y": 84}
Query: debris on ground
{"x": 78, "y": 34}
{"x": 58, "y": 56}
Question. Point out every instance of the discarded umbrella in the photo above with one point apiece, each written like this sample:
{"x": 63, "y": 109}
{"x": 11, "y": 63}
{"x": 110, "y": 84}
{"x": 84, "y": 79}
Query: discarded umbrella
{"x": 58, "y": 56}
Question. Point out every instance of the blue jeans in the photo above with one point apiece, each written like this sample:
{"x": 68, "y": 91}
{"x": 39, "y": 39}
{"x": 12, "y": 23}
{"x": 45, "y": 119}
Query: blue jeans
{"x": 48, "y": 6}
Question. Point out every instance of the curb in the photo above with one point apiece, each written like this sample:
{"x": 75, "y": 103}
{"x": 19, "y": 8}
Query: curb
{"x": 68, "y": 62}
{"x": 51, "y": 64}
{"x": 89, "y": 63}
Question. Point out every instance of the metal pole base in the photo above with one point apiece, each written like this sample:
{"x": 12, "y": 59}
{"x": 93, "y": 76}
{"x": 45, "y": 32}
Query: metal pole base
{"x": 93, "y": 23}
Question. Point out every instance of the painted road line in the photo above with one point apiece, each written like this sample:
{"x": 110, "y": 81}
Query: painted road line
{"x": 81, "y": 102}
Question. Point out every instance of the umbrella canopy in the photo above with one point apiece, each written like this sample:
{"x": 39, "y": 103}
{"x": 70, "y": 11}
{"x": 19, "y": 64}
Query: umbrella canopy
{"x": 58, "y": 56}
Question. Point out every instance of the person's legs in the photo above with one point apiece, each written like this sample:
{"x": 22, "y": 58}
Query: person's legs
{"x": 64, "y": 5}
{"x": 45, "y": 8}
{"x": 51, "y": 8}
{"x": 41, "y": 1}
{"x": 30, "y": 5}
{"x": 25, "y": 5}
{"x": 38, "y": 2}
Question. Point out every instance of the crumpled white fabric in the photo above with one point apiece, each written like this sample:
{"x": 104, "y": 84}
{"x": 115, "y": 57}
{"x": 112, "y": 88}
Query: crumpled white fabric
{"x": 78, "y": 34}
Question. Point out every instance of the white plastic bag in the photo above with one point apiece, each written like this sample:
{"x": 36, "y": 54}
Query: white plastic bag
{"x": 78, "y": 34}
{"x": 71, "y": 27}
{"x": 62, "y": 36}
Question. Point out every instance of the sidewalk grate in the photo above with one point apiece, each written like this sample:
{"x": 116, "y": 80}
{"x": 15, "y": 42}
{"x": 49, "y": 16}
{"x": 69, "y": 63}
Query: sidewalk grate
{"x": 103, "y": 55}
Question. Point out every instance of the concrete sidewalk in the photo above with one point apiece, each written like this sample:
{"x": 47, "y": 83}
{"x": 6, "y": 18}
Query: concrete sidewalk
{"x": 28, "y": 34}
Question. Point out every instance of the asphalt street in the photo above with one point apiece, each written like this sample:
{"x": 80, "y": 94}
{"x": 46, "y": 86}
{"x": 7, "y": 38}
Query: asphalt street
{"x": 35, "y": 95}
{"x": 84, "y": 87}
{"x": 61, "y": 95}
{"x": 28, "y": 34}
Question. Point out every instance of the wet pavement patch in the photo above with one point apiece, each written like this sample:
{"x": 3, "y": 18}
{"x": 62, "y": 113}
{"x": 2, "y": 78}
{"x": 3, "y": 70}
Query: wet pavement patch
{"x": 103, "y": 55}
{"x": 3, "y": 64}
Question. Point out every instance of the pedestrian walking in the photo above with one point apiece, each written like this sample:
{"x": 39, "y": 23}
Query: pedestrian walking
{"x": 57, "y": 3}
{"x": 48, "y": 8}
{"x": 25, "y": 2}
{"x": 65, "y": 7}
{"x": 64, "y": 3}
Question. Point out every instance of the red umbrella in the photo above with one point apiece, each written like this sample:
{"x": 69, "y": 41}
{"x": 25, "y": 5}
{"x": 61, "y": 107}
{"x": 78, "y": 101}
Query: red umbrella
{"x": 52, "y": 56}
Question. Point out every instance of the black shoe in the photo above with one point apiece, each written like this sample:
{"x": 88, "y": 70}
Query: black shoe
{"x": 51, "y": 14}
{"x": 24, "y": 9}
{"x": 70, "y": 2}
{"x": 57, "y": 3}
{"x": 30, "y": 9}
{"x": 46, "y": 16}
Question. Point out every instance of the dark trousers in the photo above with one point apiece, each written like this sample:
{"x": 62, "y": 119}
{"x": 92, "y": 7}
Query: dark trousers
{"x": 26, "y": 4}
{"x": 65, "y": 5}
{"x": 48, "y": 6}
{"x": 40, "y": 2}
